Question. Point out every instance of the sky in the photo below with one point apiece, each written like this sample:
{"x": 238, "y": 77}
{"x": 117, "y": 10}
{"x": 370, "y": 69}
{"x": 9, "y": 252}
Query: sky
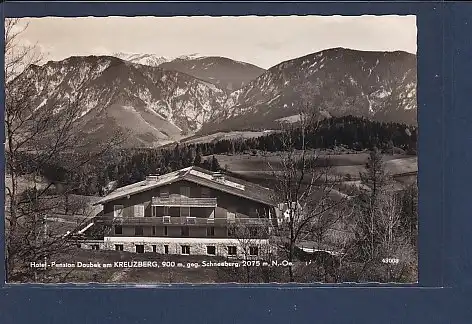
{"x": 262, "y": 41}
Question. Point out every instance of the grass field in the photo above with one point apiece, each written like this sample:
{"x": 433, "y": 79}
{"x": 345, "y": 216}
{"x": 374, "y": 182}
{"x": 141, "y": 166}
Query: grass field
{"x": 342, "y": 164}
{"x": 347, "y": 166}
{"x": 249, "y": 162}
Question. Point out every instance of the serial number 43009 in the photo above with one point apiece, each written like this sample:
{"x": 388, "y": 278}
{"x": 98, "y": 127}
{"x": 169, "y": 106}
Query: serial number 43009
{"x": 391, "y": 260}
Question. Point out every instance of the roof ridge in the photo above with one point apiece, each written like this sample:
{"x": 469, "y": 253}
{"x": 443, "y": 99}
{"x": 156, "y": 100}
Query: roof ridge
{"x": 240, "y": 185}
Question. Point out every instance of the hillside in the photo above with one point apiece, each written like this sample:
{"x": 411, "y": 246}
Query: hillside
{"x": 335, "y": 82}
{"x": 149, "y": 104}
{"x": 223, "y": 72}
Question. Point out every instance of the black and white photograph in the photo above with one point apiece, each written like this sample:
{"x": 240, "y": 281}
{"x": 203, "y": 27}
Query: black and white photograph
{"x": 211, "y": 150}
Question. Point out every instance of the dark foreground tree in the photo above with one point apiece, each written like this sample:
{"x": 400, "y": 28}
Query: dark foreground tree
{"x": 39, "y": 137}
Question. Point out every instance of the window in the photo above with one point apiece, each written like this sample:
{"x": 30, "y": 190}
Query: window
{"x": 118, "y": 229}
{"x": 211, "y": 250}
{"x": 165, "y": 231}
{"x": 166, "y": 249}
{"x": 253, "y": 250}
{"x": 206, "y": 193}
{"x": 164, "y": 193}
{"x": 166, "y": 219}
{"x": 95, "y": 247}
{"x": 138, "y": 231}
{"x": 154, "y": 248}
{"x": 184, "y": 231}
{"x": 139, "y": 248}
{"x": 184, "y": 211}
{"x": 139, "y": 211}
{"x": 231, "y": 232}
{"x": 185, "y": 249}
{"x": 210, "y": 231}
{"x": 191, "y": 220}
{"x": 166, "y": 211}
{"x": 154, "y": 231}
{"x": 231, "y": 250}
{"x": 118, "y": 247}
{"x": 159, "y": 211}
{"x": 252, "y": 212}
{"x": 185, "y": 191}
{"x": 118, "y": 211}
{"x": 253, "y": 231}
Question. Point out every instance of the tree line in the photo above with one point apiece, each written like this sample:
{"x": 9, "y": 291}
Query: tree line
{"x": 126, "y": 166}
{"x": 355, "y": 133}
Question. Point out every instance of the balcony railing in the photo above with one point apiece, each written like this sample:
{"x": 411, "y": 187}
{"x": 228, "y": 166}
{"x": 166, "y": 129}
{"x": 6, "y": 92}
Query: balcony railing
{"x": 198, "y": 221}
{"x": 186, "y": 202}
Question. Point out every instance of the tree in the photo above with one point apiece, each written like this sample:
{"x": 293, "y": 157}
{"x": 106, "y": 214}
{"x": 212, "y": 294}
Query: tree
{"x": 38, "y": 139}
{"x": 198, "y": 158}
{"x": 250, "y": 237}
{"x": 378, "y": 227}
{"x": 376, "y": 176}
{"x": 215, "y": 165}
{"x": 410, "y": 212}
{"x": 303, "y": 183}
{"x": 376, "y": 182}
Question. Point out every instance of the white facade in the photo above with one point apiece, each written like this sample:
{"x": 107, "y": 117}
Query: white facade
{"x": 226, "y": 247}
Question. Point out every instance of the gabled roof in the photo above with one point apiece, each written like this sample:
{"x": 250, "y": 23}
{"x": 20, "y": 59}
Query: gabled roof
{"x": 199, "y": 176}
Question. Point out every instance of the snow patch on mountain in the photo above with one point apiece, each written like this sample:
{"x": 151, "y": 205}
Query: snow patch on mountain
{"x": 41, "y": 104}
{"x": 382, "y": 93}
{"x": 273, "y": 99}
{"x": 151, "y": 59}
{"x": 144, "y": 59}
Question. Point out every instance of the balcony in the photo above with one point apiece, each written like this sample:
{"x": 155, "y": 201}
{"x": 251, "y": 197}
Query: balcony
{"x": 184, "y": 202}
{"x": 191, "y": 221}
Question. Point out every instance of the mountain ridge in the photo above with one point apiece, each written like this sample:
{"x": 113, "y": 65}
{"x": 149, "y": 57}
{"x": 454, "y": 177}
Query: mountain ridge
{"x": 107, "y": 82}
{"x": 278, "y": 88}
{"x": 163, "y": 104}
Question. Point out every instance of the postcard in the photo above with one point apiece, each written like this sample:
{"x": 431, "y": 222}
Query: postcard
{"x": 252, "y": 149}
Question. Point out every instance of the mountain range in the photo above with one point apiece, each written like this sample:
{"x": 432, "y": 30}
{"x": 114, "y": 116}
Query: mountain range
{"x": 337, "y": 82}
{"x": 225, "y": 73}
{"x": 157, "y": 100}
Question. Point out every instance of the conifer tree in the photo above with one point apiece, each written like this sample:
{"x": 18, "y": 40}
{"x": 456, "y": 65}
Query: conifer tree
{"x": 198, "y": 158}
{"x": 215, "y": 165}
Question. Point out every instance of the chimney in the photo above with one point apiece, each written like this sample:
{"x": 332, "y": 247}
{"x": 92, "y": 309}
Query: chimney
{"x": 152, "y": 177}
